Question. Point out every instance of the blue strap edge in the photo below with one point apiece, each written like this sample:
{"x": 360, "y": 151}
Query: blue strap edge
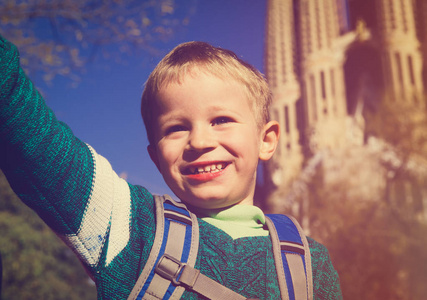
{"x": 288, "y": 232}
{"x": 186, "y": 249}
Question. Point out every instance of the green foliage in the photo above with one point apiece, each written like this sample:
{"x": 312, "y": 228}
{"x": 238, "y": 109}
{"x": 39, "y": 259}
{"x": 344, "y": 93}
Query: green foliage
{"x": 36, "y": 263}
{"x": 58, "y": 37}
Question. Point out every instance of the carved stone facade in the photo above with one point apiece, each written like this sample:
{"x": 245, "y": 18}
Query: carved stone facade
{"x": 326, "y": 60}
{"x": 400, "y": 48}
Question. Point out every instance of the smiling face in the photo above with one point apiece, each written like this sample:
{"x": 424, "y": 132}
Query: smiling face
{"x": 207, "y": 142}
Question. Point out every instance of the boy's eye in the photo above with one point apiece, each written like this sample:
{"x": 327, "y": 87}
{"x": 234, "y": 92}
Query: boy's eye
{"x": 175, "y": 128}
{"x": 221, "y": 120}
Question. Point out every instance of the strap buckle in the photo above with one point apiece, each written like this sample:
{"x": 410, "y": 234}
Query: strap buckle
{"x": 170, "y": 268}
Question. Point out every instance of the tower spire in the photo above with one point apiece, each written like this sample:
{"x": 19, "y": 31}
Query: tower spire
{"x": 281, "y": 74}
{"x": 402, "y": 58}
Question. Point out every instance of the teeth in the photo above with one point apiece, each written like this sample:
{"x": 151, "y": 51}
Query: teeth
{"x": 206, "y": 169}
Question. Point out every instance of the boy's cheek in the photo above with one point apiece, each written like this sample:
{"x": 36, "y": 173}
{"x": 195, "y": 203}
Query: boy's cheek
{"x": 153, "y": 153}
{"x": 167, "y": 155}
{"x": 162, "y": 155}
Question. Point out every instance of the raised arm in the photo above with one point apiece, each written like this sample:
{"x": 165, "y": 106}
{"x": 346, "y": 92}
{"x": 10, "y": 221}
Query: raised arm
{"x": 39, "y": 154}
{"x": 73, "y": 189}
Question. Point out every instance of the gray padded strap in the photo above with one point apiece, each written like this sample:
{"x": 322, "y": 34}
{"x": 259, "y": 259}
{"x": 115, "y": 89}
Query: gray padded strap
{"x": 302, "y": 283}
{"x": 160, "y": 227}
{"x": 296, "y": 267}
{"x": 277, "y": 259}
{"x": 307, "y": 258}
{"x": 173, "y": 247}
{"x": 210, "y": 288}
{"x": 192, "y": 279}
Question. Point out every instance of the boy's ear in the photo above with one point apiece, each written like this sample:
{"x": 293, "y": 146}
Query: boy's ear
{"x": 152, "y": 151}
{"x": 271, "y": 133}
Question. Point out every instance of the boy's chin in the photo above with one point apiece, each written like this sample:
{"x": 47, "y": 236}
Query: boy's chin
{"x": 211, "y": 197}
{"x": 205, "y": 205}
{"x": 211, "y": 204}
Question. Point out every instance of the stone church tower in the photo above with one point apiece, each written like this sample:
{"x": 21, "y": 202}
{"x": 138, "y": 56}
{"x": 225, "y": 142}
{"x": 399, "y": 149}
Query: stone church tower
{"x": 400, "y": 49}
{"x": 318, "y": 58}
{"x": 281, "y": 72}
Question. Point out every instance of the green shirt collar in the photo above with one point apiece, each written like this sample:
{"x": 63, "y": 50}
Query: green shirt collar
{"x": 237, "y": 221}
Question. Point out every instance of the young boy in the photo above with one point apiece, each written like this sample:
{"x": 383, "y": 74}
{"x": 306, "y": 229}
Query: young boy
{"x": 206, "y": 116}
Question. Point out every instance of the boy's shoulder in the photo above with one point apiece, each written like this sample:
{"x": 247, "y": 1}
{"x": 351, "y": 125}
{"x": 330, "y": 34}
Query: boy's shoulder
{"x": 325, "y": 277}
{"x": 320, "y": 255}
{"x": 316, "y": 246}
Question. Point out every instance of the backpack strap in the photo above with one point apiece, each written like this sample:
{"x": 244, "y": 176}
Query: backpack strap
{"x": 177, "y": 237}
{"x": 170, "y": 266}
{"x": 292, "y": 257}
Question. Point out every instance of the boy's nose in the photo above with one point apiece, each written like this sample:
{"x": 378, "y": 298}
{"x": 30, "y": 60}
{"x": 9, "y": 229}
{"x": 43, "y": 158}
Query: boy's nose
{"x": 201, "y": 139}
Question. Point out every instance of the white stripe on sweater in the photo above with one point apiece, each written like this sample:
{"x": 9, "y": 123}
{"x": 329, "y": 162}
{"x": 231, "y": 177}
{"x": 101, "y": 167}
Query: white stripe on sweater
{"x": 120, "y": 221}
{"x": 108, "y": 202}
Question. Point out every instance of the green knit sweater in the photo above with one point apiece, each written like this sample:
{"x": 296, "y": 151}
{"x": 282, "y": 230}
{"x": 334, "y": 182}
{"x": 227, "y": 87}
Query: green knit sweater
{"x": 107, "y": 222}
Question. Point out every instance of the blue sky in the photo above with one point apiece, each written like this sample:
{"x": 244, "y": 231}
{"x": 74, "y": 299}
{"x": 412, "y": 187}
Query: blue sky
{"x": 104, "y": 110}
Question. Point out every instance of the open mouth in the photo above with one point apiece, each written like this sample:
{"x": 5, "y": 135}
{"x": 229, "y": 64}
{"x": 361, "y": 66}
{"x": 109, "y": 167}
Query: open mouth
{"x": 211, "y": 168}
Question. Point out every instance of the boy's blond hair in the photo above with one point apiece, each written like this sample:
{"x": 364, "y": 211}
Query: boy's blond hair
{"x": 206, "y": 58}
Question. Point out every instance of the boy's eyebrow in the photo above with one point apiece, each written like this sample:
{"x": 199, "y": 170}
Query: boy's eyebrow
{"x": 176, "y": 115}
{"x": 220, "y": 109}
{"x": 217, "y": 108}
{"x": 170, "y": 116}
{"x": 213, "y": 108}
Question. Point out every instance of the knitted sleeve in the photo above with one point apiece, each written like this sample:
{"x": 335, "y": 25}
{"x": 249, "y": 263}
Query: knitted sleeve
{"x": 72, "y": 188}
{"x": 326, "y": 284}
